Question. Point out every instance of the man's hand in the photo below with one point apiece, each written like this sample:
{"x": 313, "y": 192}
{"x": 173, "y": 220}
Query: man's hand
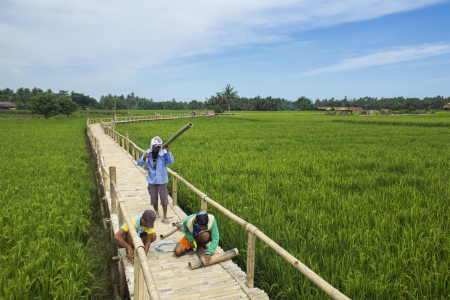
{"x": 207, "y": 258}
{"x": 130, "y": 254}
{"x": 167, "y": 148}
{"x": 147, "y": 155}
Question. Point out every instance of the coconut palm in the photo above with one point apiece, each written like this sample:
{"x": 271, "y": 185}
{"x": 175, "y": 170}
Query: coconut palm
{"x": 228, "y": 94}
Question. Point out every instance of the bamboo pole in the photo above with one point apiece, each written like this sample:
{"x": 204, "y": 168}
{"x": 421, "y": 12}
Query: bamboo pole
{"x": 250, "y": 260}
{"x": 214, "y": 259}
{"x": 105, "y": 178}
{"x": 138, "y": 277}
{"x": 204, "y": 206}
{"x": 174, "y": 191}
{"x": 168, "y": 232}
{"x": 132, "y": 150}
{"x": 123, "y": 142}
{"x": 128, "y": 143}
{"x": 180, "y": 132}
{"x": 112, "y": 178}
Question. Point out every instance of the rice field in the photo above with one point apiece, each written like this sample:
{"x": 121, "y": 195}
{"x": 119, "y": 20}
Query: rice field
{"x": 50, "y": 243}
{"x": 362, "y": 201}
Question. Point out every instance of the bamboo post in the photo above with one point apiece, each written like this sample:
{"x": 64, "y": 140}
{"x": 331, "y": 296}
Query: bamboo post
{"x": 204, "y": 207}
{"x": 138, "y": 278}
{"x": 112, "y": 179}
{"x": 174, "y": 191}
{"x": 128, "y": 143}
{"x": 250, "y": 260}
{"x": 132, "y": 150}
{"x": 123, "y": 142}
{"x": 105, "y": 178}
{"x": 214, "y": 259}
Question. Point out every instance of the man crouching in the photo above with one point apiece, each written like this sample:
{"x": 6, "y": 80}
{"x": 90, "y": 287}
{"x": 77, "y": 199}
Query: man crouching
{"x": 144, "y": 227}
{"x": 199, "y": 229}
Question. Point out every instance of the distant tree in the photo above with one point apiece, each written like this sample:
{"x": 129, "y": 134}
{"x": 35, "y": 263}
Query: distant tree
{"x": 229, "y": 95}
{"x": 66, "y": 105}
{"x": 304, "y": 103}
{"x": 220, "y": 100}
{"x": 211, "y": 101}
{"x": 44, "y": 104}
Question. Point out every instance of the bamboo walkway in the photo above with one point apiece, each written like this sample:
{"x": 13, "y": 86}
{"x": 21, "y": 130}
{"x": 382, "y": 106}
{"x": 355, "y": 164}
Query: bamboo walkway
{"x": 171, "y": 274}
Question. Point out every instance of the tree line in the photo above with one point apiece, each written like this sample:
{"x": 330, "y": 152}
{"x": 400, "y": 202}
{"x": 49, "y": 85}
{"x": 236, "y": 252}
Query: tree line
{"x": 227, "y": 99}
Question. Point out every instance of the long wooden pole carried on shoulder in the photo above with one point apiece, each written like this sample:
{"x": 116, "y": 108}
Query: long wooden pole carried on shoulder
{"x": 180, "y": 132}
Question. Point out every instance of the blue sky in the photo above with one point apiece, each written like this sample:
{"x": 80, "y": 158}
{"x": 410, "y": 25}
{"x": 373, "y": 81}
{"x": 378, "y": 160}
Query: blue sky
{"x": 191, "y": 50}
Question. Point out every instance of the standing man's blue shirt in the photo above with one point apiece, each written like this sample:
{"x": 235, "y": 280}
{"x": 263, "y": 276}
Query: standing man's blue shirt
{"x": 158, "y": 176}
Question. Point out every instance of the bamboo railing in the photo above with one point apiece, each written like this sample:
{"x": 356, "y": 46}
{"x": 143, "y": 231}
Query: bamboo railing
{"x": 253, "y": 231}
{"x": 141, "y": 265}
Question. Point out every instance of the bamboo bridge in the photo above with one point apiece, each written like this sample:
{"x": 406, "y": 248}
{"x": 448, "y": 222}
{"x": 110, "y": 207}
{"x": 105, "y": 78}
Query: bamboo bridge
{"x": 162, "y": 275}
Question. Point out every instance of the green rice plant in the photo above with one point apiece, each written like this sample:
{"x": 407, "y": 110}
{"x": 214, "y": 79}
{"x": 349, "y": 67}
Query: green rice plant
{"x": 47, "y": 201}
{"x": 364, "y": 205}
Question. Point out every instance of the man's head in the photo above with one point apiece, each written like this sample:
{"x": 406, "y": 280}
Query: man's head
{"x": 201, "y": 219}
{"x": 156, "y": 144}
{"x": 149, "y": 218}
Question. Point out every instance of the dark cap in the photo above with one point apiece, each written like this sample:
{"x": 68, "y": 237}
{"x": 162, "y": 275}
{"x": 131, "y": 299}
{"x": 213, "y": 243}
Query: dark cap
{"x": 201, "y": 218}
{"x": 149, "y": 217}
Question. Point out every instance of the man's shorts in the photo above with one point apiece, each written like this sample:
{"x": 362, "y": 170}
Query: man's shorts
{"x": 142, "y": 235}
{"x": 163, "y": 193}
{"x": 186, "y": 243}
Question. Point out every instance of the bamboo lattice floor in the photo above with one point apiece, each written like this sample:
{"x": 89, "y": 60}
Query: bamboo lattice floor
{"x": 171, "y": 274}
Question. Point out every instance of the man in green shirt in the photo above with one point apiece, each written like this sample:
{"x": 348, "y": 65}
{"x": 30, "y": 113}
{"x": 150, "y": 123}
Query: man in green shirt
{"x": 199, "y": 229}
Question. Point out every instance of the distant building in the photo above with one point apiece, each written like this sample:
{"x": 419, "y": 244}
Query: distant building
{"x": 7, "y": 106}
{"x": 446, "y": 106}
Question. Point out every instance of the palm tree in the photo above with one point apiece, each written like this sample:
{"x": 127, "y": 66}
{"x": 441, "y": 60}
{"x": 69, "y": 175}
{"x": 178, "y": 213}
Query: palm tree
{"x": 220, "y": 100}
{"x": 229, "y": 95}
{"x": 211, "y": 101}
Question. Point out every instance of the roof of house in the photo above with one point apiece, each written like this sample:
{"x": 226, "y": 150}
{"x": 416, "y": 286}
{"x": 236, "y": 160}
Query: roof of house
{"x": 7, "y": 104}
{"x": 340, "y": 108}
{"x": 446, "y": 105}
{"x": 355, "y": 108}
{"x": 323, "y": 108}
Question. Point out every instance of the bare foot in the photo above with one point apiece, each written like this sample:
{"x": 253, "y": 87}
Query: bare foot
{"x": 157, "y": 215}
{"x": 166, "y": 221}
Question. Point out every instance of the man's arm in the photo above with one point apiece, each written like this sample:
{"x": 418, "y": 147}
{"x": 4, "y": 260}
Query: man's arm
{"x": 187, "y": 233}
{"x": 141, "y": 160}
{"x": 214, "y": 231}
{"x": 121, "y": 241}
{"x": 169, "y": 158}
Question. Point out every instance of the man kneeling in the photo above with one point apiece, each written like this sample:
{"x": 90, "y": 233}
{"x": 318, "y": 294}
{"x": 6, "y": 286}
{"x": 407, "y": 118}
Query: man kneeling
{"x": 199, "y": 230}
{"x": 144, "y": 227}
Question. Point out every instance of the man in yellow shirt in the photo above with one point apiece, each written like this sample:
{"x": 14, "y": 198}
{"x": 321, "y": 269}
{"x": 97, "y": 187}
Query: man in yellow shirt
{"x": 144, "y": 227}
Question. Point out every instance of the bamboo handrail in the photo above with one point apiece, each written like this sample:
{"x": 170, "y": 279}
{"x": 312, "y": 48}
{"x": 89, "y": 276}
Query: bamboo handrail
{"x": 139, "y": 248}
{"x": 311, "y": 275}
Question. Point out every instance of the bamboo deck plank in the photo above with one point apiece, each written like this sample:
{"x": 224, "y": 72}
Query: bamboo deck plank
{"x": 171, "y": 274}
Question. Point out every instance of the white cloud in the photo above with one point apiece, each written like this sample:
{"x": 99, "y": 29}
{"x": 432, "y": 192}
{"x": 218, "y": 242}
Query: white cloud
{"x": 438, "y": 80}
{"x": 139, "y": 33}
{"x": 398, "y": 54}
{"x": 125, "y": 37}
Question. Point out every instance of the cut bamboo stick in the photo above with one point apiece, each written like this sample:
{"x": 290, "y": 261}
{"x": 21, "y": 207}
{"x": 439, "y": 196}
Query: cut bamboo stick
{"x": 214, "y": 259}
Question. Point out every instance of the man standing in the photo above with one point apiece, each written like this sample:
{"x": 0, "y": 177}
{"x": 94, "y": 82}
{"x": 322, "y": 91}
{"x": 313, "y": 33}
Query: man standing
{"x": 144, "y": 227}
{"x": 157, "y": 159}
{"x": 199, "y": 229}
